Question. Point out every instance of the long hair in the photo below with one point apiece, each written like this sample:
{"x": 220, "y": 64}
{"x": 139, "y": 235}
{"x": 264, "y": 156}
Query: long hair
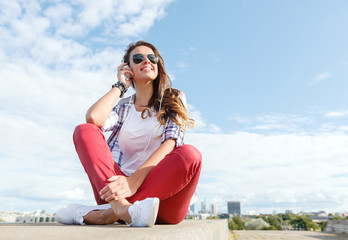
{"x": 171, "y": 107}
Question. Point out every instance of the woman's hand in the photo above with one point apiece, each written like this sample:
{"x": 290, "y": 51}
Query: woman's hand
{"x": 122, "y": 70}
{"x": 119, "y": 187}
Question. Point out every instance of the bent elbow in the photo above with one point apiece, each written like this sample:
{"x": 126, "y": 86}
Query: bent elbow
{"x": 94, "y": 120}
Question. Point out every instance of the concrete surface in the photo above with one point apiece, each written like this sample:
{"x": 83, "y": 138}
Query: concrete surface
{"x": 188, "y": 229}
{"x": 337, "y": 226}
{"x": 286, "y": 235}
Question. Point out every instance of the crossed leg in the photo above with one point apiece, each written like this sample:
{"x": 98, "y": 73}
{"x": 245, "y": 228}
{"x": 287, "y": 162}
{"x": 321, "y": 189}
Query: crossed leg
{"x": 173, "y": 180}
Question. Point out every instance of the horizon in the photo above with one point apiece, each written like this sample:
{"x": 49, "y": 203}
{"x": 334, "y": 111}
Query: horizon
{"x": 265, "y": 82}
{"x": 245, "y": 213}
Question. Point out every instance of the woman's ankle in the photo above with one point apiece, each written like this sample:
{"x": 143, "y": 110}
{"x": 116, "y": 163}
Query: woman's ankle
{"x": 100, "y": 217}
{"x": 120, "y": 209}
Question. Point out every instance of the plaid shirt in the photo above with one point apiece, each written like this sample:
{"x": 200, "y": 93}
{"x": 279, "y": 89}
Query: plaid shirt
{"x": 117, "y": 117}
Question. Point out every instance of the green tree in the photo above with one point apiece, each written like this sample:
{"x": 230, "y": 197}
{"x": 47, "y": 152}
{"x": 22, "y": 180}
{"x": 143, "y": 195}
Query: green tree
{"x": 236, "y": 223}
{"x": 323, "y": 225}
{"x": 274, "y": 221}
{"x": 300, "y": 221}
{"x": 232, "y": 225}
{"x": 239, "y": 221}
{"x": 304, "y": 221}
{"x": 272, "y": 228}
{"x": 256, "y": 224}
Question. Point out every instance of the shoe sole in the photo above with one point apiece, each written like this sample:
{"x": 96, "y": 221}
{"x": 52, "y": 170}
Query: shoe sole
{"x": 155, "y": 207}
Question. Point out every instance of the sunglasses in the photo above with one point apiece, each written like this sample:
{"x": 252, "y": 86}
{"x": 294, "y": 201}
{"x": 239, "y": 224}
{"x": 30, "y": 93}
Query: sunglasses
{"x": 138, "y": 58}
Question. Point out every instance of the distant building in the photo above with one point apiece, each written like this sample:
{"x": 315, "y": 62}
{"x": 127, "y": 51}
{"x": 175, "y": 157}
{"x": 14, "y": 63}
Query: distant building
{"x": 36, "y": 217}
{"x": 214, "y": 209}
{"x": 249, "y": 213}
{"x": 203, "y": 208}
{"x": 223, "y": 216}
{"x": 8, "y": 216}
{"x": 39, "y": 216}
{"x": 233, "y": 207}
{"x": 192, "y": 208}
{"x": 288, "y": 212}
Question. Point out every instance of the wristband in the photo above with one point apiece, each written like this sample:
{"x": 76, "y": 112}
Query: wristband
{"x": 122, "y": 86}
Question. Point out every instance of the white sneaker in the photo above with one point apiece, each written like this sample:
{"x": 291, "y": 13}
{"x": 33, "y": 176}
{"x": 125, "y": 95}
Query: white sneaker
{"x": 73, "y": 214}
{"x": 144, "y": 213}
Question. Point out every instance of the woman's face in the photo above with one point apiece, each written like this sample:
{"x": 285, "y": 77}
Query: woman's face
{"x": 145, "y": 70}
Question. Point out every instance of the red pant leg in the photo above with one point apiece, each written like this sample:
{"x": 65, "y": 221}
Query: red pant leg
{"x": 173, "y": 181}
{"x": 95, "y": 156}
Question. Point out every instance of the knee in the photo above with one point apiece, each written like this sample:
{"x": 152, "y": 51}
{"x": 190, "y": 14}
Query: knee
{"x": 191, "y": 153}
{"x": 83, "y": 130}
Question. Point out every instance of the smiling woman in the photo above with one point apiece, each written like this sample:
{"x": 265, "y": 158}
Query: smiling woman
{"x": 144, "y": 173}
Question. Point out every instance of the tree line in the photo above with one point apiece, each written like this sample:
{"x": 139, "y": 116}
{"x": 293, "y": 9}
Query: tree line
{"x": 277, "y": 222}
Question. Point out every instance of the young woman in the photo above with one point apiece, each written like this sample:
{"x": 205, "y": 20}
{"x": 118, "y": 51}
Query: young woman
{"x": 144, "y": 173}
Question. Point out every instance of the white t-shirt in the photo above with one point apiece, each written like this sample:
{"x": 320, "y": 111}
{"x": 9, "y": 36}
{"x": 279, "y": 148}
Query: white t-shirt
{"x": 138, "y": 139}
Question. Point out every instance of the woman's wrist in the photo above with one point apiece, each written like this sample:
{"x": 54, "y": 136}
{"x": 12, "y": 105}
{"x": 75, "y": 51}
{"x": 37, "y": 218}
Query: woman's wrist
{"x": 117, "y": 91}
{"x": 134, "y": 183}
{"x": 121, "y": 86}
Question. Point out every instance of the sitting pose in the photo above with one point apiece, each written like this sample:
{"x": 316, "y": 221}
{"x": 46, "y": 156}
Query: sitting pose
{"x": 143, "y": 174}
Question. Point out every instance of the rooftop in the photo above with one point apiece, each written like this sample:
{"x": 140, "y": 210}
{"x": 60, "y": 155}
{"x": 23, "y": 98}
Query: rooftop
{"x": 188, "y": 229}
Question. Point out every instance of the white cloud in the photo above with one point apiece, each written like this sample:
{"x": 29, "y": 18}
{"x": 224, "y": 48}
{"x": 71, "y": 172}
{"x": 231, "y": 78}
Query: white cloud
{"x": 274, "y": 172}
{"x": 319, "y": 78}
{"x": 171, "y": 76}
{"x": 343, "y": 128}
{"x": 334, "y": 114}
{"x": 9, "y": 10}
{"x": 144, "y": 14}
{"x": 200, "y": 124}
{"x": 182, "y": 65}
{"x": 59, "y": 13}
{"x": 94, "y": 12}
{"x": 50, "y": 74}
{"x": 239, "y": 119}
{"x": 272, "y": 122}
{"x": 27, "y": 24}
{"x": 276, "y": 118}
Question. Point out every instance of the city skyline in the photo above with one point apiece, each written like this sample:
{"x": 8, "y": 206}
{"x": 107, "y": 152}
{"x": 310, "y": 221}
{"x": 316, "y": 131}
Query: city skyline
{"x": 265, "y": 82}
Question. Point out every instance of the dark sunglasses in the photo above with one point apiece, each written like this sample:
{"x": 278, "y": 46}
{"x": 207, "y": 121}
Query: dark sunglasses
{"x": 138, "y": 58}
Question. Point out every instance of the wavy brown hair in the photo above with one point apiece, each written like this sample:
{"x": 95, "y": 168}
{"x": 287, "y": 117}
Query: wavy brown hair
{"x": 172, "y": 106}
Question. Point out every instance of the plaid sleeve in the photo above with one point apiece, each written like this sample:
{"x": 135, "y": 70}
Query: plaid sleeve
{"x": 111, "y": 120}
{"x": 116, "y": 114}
{"x": 173, "y": 131}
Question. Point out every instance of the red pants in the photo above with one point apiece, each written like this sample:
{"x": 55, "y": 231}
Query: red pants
{"x": 173, "y": 180}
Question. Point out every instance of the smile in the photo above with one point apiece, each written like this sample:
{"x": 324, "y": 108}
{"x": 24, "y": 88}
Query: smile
{"x": 146, "y": 69}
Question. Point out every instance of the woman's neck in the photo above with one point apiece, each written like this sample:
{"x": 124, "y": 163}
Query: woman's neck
{"x": 143, "y": 93}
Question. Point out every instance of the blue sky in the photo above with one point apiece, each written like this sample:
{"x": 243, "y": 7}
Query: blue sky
{"x": 265, "y": 81}
{"x": 257, "y": 57}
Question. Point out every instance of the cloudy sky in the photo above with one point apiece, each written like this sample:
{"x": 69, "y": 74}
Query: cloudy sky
{"x": 266, "y": 82}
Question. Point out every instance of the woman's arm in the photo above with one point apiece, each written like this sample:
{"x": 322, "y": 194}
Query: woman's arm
{"x": 123, "y": 187}
{"x": 99, "y": 111}
{"x": 138, "y": 177}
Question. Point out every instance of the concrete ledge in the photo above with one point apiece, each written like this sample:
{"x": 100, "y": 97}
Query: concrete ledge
{"x": 337, "y": 226}
{"x": 188, "y": 229}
